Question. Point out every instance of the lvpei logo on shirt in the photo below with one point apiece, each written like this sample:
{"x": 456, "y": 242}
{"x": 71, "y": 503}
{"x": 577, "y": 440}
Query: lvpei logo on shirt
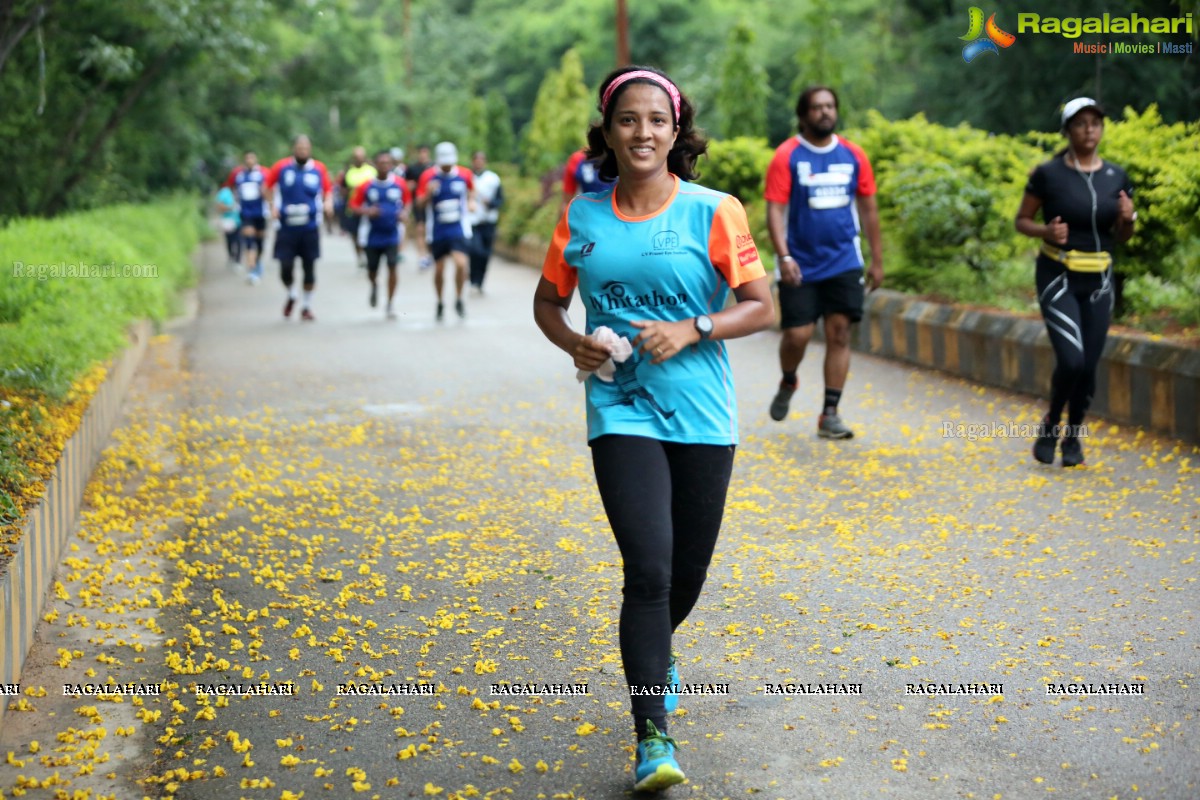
{"x": 984, "y": 38}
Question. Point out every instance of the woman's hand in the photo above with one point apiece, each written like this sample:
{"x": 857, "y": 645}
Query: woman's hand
{"x": 1124, "y": 208}
{"x": 664, "y": 340}
{"x": 1056, "y": 231}
{"x": 590, "y": 354}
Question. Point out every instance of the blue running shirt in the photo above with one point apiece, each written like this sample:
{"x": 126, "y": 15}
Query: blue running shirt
{"x": 674, "y": 264}
{"x": 820, "y": 187}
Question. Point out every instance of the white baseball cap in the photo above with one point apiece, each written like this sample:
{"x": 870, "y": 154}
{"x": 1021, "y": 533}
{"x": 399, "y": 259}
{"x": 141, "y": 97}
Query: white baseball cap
{"x": 1073, "y": 107}
{"x": 445, "y": 154}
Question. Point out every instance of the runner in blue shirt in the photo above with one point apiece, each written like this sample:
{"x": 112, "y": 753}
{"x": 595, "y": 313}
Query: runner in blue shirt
{"x": 383, "y": 201}
{"x": 448, "y": 192}
{"x": 301, "y": 193}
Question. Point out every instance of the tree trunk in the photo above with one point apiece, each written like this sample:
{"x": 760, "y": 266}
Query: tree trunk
{"x": 10, "y": 38}
{"x": 57, "y": 201}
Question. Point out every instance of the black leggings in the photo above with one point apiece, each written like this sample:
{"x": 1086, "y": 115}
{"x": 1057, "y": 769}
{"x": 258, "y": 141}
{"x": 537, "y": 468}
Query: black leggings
{"x": 1077, "y": 310}
{"x": 664, "y": 503}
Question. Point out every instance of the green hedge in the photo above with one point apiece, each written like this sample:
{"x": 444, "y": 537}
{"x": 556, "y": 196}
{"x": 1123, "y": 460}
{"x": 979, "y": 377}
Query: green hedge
{"x": 55, "y": 324}
{"x": 948, "y": 198}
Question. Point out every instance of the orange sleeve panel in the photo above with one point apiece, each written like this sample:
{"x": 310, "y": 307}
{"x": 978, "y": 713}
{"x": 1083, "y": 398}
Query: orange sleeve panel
{"x": 555, "y": 268}
{"x": 731, "y": 246}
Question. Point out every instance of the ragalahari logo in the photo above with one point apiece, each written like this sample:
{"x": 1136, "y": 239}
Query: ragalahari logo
{"x": 983, "y": 38}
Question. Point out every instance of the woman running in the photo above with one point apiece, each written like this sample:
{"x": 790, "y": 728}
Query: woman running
{"x": 654, "y": 259}
{"x": 1087, "y": 207}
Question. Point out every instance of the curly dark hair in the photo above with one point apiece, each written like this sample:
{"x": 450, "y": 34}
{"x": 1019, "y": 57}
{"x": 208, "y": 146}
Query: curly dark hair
{"x": 690, "y": 142}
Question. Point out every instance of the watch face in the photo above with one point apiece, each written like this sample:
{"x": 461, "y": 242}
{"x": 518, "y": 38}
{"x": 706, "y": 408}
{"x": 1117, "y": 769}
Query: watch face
{"x": 704, "y": 325}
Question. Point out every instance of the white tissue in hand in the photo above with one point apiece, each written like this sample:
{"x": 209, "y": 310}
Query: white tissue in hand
{"x": 621, "y": 350}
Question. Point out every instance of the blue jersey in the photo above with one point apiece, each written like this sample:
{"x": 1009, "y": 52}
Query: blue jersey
{"x": 390, "y": 196}
{"x": 674, "y": 264}
{"x": 248, "y": 186}
{"x": 583, "y": 175}
{"x": 299, "y": 192}
{"x": 820, "y": 187}
{"x": 445, "y": 195}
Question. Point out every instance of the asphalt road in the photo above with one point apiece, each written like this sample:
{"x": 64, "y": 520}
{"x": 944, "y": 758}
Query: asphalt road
{"x": 407, "y": 504}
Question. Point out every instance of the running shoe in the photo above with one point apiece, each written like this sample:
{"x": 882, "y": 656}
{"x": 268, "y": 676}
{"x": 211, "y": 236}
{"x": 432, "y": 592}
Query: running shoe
{"x": 307, "y": 316}
{"x": 830, "y": 426}
{"x": 1043, "y": 447}
{"x": 1072, "y": 452}
{"x": 390, "y": 313}
{"x": 441, "y": 312}
{"x": 458, "y": 307}
{"x": 288, "y": 306}
{"x": 783, "y": 397}
{"x": 425, "y": 263}
{"x": 656, "y": 765}
{"x": 374, "y": 295}
{"x": 671, "y": 698}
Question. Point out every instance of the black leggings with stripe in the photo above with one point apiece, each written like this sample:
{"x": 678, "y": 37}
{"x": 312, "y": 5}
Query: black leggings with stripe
{"x": 1077, "y": 309}
{"x": 665, "y": 502}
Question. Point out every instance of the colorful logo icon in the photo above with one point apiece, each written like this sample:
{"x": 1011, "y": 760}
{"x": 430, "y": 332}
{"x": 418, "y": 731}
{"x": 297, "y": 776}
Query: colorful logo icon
{"x": 983, "y": 38}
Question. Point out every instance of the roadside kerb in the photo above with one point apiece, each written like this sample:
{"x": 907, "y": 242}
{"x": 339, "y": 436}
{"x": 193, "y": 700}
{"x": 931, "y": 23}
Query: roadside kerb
{"x": 25, "y": 580}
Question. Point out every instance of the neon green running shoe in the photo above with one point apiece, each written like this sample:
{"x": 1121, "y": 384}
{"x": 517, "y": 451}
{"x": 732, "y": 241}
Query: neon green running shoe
{"x": 657, "y": 768}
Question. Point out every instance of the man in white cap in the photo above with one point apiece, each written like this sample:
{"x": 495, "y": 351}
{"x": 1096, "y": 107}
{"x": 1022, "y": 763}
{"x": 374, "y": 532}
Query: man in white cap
{"x": 447, "y": 190}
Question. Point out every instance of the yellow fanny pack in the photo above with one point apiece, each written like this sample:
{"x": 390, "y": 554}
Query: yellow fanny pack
{"x": 1078, "y": 260}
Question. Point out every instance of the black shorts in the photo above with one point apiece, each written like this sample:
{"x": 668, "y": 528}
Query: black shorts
{"x": 389, "y": 254}
{"x": 440, "y": 248}
{"x": 293, "y": 243}
{"x": 258, "y": 223}
{"x": 805, "y": 304}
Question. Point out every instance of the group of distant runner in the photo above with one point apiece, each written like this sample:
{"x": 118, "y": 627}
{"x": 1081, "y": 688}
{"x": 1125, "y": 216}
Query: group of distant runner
{"x": 454, "y": 210}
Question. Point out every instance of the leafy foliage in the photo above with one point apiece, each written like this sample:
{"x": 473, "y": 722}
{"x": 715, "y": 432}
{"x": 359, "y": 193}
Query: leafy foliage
{"x": 742, "y": 96}
{"x": 560, "y": 117}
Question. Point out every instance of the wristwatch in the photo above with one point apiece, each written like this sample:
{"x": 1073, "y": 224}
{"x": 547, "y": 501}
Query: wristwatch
{"x": 704, "y": 326}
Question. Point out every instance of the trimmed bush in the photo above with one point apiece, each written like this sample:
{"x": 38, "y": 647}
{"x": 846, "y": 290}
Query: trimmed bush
{"x": 72, "y": 285}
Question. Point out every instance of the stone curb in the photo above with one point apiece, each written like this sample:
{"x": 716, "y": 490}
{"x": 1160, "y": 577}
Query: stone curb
{"x": 1151, "y": 384}
{"x": 25, "y": 580}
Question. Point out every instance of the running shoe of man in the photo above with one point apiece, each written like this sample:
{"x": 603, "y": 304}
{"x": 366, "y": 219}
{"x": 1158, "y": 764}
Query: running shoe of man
{"x": 830, "y": 426}
{"x": 425, "y": 263}
{"x": 783, "y": 397}
{"x": 460, "y": 309}
{"x": 307, "y": 316}
{"x": 289, "y": 306}
{"x": 374, "y": 295}
{"x": 441, "y": 311}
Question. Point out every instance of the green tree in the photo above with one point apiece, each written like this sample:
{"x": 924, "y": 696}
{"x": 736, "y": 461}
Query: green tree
{"x": 742, "y": 95}
{"x": 477, "y": 124}
{"x": 560, "y": 117}
{"x": 501, "y": 143}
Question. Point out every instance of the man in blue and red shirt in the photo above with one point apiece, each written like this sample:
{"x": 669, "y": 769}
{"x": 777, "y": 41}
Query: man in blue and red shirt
{"x": 247, "y": 181}
{"x": 580, "y": 176}
{"x": 383, "y": 201}
{"x": 820, "y": 193}
{"x": 447, "y": 190}
{"x": 299, "y": 193}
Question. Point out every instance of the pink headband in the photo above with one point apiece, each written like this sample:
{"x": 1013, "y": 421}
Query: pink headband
{"x": 624, "y": 77}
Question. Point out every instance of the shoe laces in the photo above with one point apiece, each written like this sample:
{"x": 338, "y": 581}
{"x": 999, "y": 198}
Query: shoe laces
{"x": 656, "y": 745}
